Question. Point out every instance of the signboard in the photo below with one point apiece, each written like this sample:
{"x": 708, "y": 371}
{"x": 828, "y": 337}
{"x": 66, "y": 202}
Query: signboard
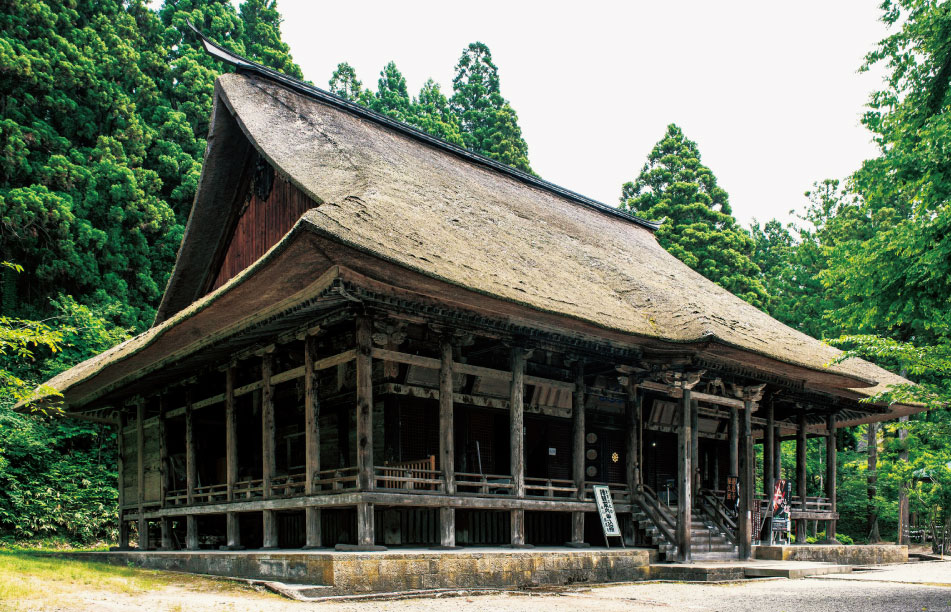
{"x": 602, "y": 495}
{"x": 780, "y": 506}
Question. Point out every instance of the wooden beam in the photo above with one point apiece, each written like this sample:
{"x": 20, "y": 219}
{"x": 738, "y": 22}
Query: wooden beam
{"x": 746, "y": 482}
{"x": 447, "y": 451}
{"x": 577, "y": 451}
{"x": 191, "y": 474}
{"x": 734, "y": 437}
{"x": 447, "y": 527}
{"x": 120, "y": 468}
{"x": 313, "y": 537}
{"x": 517, "y": 442}
{"x": 684, "y": 473}
{"x": 769, "y": 453}
{"x": 708, "y": 398}
{"x": 801, "y": 483}
{"x": 578, "y": 431}
{"x": 364, "y": 405}
{"x": 633, "y": 413}
{"x": 165, "y": 524}
{"x": 140, "y": 480}
{"x": 517, "y": 421}
{"x": 831, "y": 468}
{"x": 694, "y": 448}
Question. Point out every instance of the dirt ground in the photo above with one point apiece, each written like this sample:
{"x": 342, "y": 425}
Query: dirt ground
{"x": 912, "y": 587}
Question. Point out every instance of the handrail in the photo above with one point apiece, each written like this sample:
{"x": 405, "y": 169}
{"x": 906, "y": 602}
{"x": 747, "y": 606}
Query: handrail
{"x": 648, "y": 501}
{"x": 717, "y": 511}
{"x": 550, "y": 487}
{"x": 486, "y": 484}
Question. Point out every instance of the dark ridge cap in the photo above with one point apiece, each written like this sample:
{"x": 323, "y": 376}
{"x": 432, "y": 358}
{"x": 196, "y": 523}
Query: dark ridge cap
{"x": 248, "y": 66}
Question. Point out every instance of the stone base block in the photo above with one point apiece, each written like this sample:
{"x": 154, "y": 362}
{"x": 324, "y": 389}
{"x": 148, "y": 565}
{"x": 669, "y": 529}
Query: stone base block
{"x": 872, "y": 554}
{"x": 394, "y": 571}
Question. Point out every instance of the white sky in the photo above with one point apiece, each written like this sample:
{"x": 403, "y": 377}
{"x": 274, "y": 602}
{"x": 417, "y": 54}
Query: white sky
{"x": 769, "y": 91}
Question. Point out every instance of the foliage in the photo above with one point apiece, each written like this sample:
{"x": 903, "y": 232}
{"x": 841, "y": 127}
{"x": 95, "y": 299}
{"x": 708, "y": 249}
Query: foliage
{"x": 699, "y": 228}
{"x": 476, "y": 117}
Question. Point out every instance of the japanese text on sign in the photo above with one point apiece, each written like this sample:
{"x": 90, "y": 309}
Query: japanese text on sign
{"x": 602, "y": 495}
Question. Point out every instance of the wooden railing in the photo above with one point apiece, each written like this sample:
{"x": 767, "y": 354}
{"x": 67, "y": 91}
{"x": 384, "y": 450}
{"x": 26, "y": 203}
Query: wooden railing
{"x": 484, "y": 484}
{"x": 712, "y": 505}
{"x": 550, "y": 487}
{"x": 288, "y": 485}
{"x": 619, "y": 491}
{"x": 339, "y": 479}
{"x": 658, "y": 513}
{"x": 416, "y": 475}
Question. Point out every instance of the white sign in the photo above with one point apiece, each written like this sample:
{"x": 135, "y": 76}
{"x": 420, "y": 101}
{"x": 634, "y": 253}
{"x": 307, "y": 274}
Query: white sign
{"x": 602, "y": 495}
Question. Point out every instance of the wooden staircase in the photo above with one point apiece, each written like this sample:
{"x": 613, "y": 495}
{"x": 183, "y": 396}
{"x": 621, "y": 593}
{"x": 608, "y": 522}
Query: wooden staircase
{"x": 710, "y": 538}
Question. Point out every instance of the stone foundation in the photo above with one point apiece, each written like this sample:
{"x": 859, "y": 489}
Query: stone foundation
{"x": 873, "y": 554}
{"x": 377, "y": 572}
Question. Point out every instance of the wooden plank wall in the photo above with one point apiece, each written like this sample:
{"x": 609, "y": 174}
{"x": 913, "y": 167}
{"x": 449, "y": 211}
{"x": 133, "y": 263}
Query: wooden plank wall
{"x": 261, "y": 225}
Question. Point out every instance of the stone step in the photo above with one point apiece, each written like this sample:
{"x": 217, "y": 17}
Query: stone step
{"x": 714, "y": 556}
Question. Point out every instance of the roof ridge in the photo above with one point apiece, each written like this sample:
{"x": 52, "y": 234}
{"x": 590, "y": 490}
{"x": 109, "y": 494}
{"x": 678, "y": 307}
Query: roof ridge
{"x": 245, "y": 65}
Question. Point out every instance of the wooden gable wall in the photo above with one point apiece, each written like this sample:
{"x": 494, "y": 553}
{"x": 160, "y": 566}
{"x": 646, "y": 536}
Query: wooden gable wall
{"x": 272, "y": 207}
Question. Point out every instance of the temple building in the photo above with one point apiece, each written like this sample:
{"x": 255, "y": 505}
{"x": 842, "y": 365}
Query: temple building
{"x": 372, "y": 338}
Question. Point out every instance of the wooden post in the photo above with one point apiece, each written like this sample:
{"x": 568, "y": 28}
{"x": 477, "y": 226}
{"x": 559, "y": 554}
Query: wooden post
{"x": 164, "y": 522}
{"x": 516, "y": 444}
{"x": 364, "y": 407}
{"x": 447, "y": 527}
{"x": 268, "y": 459}
{"x": 191, "y": 474}
{"x": 801, "y": 483}
{"x": 447, "y": 450}
{"x": 233, "y": 527}
{"x": 777, "y": 454}
{"x": 632, "y": 469}
{"x": 684, "y": 478}
{"x": 694, "y": 449}
{"x": 746, "y": 482}
{"x": 366, "y": 533}
{"x": 831, "y": 475}
{"x": 904, "y": 515}
{"x": 577, "y": 453}
{"x": 734, "y": 436}
{"x": 311, "y": 442}
{"x": 140, "y": 480}
{"x": 769, "y": 453}
{"x": 120, "y": 468}
{"x": 874, "y": 537}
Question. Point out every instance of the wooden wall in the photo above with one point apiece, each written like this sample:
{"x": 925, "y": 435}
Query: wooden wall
{"x": 262, "y": 223}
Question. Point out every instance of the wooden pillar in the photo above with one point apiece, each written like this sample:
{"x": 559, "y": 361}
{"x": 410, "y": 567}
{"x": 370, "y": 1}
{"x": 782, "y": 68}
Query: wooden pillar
{"x": 684, "y": 478}
{"x": 734, "y": 436}
{"x": 769, "y": 453}
{"x": 366, "y": 533}
{"x": 746, "y": 483}
{"x": 577, "y": 452}
{"x": 801, "y": 476}
{"x": 233, "y": 529}
{"x": 447, "y": 449}
{"x": 831, "y": 462}
{"x": 777, "y": 454}
{"x": 904, "y": 515}
{"x": 191, "y": 474}
{"x": 140, "y": 479}
{"x": 120, "y": 469}
{"x": 694, "y": 449}
{"x": 268, "y": 459}
{"x": 164, "y": 522}
{"x": 632, "y": 469}
{"x": 364, "y": 407}
{"x": 313, "y": 536}
{"x": 874, "y": 537}
{"x": 516, "y": 443}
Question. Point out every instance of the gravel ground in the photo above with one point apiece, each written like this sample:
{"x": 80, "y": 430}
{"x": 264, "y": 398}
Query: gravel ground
{"x": 913, "y": 587}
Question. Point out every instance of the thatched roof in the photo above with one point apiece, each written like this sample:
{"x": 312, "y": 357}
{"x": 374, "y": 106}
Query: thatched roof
{"x": 405, "y": 211}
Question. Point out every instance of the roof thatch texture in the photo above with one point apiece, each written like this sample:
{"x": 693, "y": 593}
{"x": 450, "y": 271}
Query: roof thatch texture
{"x": 402, "y": 200}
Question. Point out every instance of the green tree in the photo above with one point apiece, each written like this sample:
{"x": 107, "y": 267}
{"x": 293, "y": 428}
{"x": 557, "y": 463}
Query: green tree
{"x": 344, "y": 83}
{"x": 699, "y": 228}
{"x": 391, "y": 97}
{"x": 489, "y": 123}
{"x": 432, "y": 114}
{"x": 262, "y": 37}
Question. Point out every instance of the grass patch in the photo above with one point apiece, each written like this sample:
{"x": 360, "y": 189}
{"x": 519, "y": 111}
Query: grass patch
{"x": 36, "y": 579}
